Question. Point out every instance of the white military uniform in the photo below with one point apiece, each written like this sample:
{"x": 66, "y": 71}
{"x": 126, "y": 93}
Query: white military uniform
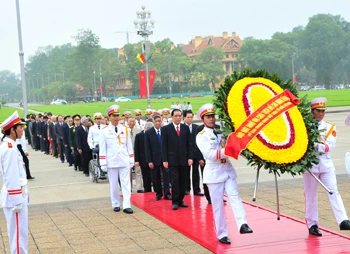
{"x": 94, "y": 135}
{"x": 116, "y": 153}
{"x": 220, "y": 177}
{"x": 140, "y": 124}
{"x": 14, "y": 192}
{"x": 325, "y": 171}
{"x": 166, "y": 121}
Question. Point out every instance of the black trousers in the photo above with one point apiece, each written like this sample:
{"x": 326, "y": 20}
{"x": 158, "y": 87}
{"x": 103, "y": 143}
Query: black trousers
{"x": 33, "y": 141}
{"x": 156, "y": 174}
{"x": 178, "y": 183}
{"x": 41, "y": 144}
{"x": 69, "y": 156}
{"x": 61, "y": 150}
{"x": 146, "y": 178}
{"x": 195, "y": 177}
{"x": 206, "y": 190}
{"x": 46, "y": 146}
{"x": 85, "y": 159}
{"x": 54, "y": 148}
{"x": 25, "y": 160}
{"x": 77, "y": 160}
{"x": 37, "y": 143}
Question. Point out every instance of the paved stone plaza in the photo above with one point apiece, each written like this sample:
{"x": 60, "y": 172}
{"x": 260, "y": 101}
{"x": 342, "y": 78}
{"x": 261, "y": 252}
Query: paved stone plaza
{"x": 69, "y": 214}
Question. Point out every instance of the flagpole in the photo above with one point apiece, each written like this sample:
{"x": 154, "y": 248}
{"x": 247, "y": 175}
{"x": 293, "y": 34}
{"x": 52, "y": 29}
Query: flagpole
{"x": 147, "y": 83}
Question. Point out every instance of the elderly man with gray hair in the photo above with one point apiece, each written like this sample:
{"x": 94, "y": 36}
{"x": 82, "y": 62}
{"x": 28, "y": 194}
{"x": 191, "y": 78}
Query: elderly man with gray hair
{"x": 140, "y": 157}
{"x": 81, "y": 139}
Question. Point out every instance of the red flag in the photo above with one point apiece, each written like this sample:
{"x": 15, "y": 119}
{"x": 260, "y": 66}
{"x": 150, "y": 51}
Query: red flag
{"x": 143, "y": 89}
{"x": 100, "y": 88}
{"x": 142, "y": 77}
{"x": 294, "y": 78}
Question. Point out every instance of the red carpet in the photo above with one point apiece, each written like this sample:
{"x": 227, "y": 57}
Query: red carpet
{"x": 289, "y": 235}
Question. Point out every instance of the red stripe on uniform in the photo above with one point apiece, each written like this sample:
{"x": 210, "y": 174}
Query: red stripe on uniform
{"x": 102, "y": 157}
{"x": 326, "y": 148}
{"x": 219, "y": 154}
{"x": 15, "y": 193}
{"x": 13, "y": 190}
{"x": 17, "y": 233}
{"x": 131, "y": 155}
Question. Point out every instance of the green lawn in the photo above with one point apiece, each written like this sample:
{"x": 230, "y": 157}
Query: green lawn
{"x": 7, "y": 111}
{"x": 334, "y": 97}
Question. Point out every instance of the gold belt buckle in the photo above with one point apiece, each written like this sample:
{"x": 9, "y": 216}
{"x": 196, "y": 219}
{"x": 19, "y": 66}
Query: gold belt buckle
{"x": 223, "y": 161}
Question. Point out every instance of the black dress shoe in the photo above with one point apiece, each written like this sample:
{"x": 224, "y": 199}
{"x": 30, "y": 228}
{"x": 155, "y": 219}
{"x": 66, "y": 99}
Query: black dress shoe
{"x": 245, "y": 229}
{"x": 140, "y": 191}
{"x": 128, "y": 210}
{"x": 116, "y": 209}
{"x": 199, "y": 194}
{"x": 31, "y": 178}
{"x": 183, "y": 205}
{"x": 158, "y": 198}
{"x": 187, "y": 192}
{"x": 313, "y": 230}
{"x": 225, "y": 240}
{"x": 168, "y": 197}
{"x": 75, "y": 168}
{"x": 345, "y": 225}
{"x": 70, "y": 164}
{"x": 62, "y": 161}
{"x": 175, "y": 207}
{"x": 87, "y": 175}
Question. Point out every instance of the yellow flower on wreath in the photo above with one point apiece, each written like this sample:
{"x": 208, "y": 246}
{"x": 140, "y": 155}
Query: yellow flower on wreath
{"x": 256, "y": 91}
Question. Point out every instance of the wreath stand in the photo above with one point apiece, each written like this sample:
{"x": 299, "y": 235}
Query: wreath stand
{"x": 276, "y": 185}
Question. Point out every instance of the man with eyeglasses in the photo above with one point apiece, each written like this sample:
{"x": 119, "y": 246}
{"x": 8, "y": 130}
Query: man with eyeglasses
{"x": 325, "y": 171}
{"x": 117, "y": 158}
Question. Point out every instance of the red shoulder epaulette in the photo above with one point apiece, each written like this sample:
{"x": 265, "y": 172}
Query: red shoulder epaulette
{"x": 9, "y": 145}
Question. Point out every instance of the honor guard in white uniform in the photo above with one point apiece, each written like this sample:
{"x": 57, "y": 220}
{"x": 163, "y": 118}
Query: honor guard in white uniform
{"x": 219, "y": 175}
{"x": 347, "y": 155}
{"x": 14, "y": 192}
{"x": 165, "y": 116}
{"x": 117, "y": 156}
{"x": 149, "y": 114}
{"x": 127, "y": 115}
{"x": 325, "y": 171}
{"x": 139, "y": 122}
{"x": 94, "y": 131}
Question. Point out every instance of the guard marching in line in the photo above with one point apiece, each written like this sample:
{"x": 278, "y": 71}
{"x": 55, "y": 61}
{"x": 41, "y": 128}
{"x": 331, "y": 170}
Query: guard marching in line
{"x": 14, "y": 192}
{"x": 325, "y": 171}
{"x": 117, "y": 157}
{"x": 219, "y": 175}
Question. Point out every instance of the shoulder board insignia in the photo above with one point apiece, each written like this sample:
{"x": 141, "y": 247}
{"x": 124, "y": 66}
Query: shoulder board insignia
{"x": 9, "y": 145}
{"x": 105, "y": 127}
{"x": 202, "y": 131}
{"x": 329, "y": 123}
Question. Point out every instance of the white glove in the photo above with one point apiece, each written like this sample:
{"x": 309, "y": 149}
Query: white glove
{"x": 17, "y": 208}
{"x": 104, "y": 168}
{"x": 316, "y": 146}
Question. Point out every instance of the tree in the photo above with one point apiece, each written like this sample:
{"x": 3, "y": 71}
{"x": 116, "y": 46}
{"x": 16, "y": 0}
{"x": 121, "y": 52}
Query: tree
{"x": 209, "y": 64}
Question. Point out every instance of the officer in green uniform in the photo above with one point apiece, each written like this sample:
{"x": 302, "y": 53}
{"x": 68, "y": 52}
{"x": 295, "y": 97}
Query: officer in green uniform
{"x": 73, "y": 146}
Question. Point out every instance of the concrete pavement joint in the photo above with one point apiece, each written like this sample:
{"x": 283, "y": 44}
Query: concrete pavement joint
{"x": 60, "y": 231}
{"x": 36, "y": 245}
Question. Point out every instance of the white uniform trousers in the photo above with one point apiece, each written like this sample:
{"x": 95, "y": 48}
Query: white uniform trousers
{"x": 216, "y": 191}
{"x": 347, "y": 162}
{"x": 138, "y": 178}
{"x": 17, "y": 228}
{"x": 124, "y": 175}
{"x": 311, "y": 199}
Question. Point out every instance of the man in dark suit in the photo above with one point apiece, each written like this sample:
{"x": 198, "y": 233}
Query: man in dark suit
{"x": 177, "y": 156}
{"x": 140, "y": 158}
{"x": 59, "y": 137}
{"x": 154, "y": 159}
{"x": 188, "y": 118}
{"x": 40, "y": 132}
{"x": 52, "y": 134}
{"x": 73, "y": 144}
{"x": 26, "y": 130}
{"x": 67, "y": 151}
{"x": 36, "y": 133}
{"x": 82, "y": 144}
{"x": 32, "y": 130}
{"x": 44, "y": 136}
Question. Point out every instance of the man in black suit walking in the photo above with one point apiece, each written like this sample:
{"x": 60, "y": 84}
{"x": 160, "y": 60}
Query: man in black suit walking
{"x": 82, "y": 144}
{"x": 44, "y": 136}
{"x": 59, "y": 137}
{"x": 177, "y": 156}
{"x": 140, "y": 157}
{"x": 188, "y": 118}
{"x": 154, "y": 159}
{"x": 67, "y": 151}
{"x": 53, "y": 136}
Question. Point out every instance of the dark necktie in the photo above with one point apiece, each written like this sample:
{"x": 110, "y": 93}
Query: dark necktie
{"x": 178, "y": 131}
{"x": 139, "y": 122}
{"x": 158, "y": 134}
{"x": 98, "y": 126}
{"x": 116, "y": 129}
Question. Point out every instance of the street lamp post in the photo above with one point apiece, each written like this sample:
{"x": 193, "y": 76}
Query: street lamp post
{"x": 21, "y": 59}
{"x": 144, "y": 24}
{"x": 94, "y": 84}
{"x": 101, "y": 88}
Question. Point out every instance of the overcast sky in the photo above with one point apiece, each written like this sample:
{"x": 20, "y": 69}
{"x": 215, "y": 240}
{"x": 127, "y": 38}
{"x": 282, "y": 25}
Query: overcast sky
{"x": 54, "y": 22}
